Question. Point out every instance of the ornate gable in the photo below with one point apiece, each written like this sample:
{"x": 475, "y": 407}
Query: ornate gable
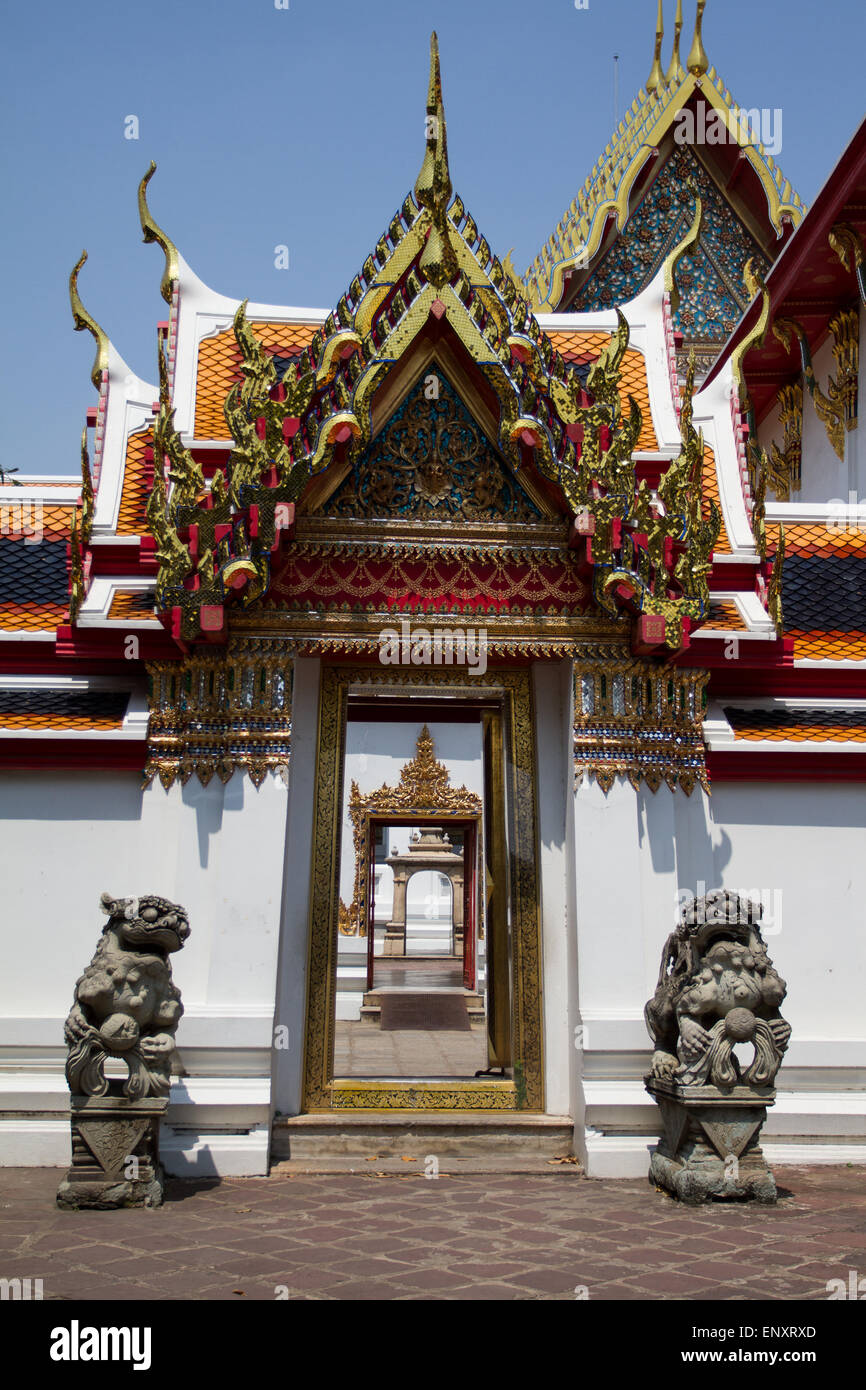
{"x": 607, "y": 223}
{"x": 348, "y": 420}
{"x": 711, "y": 280}
{"x": 432, "y": 461}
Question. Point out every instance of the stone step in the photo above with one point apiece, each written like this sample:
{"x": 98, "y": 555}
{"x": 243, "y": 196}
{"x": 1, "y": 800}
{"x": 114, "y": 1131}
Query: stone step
{"x": 373, "y": 997}
{"x": 372, "y": 1140}
{"x": 371, "y": 1007}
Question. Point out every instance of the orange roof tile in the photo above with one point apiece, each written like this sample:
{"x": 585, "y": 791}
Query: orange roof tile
{"x": 710, "y": 481}
{"x": 82, "y": 723}
{"x": 129, "y": 604}
{"x": 31, "y": 617}
{"x": 828, "y": 646}
{"x": 219, "y": 367}
{"x": 132, "y": 518}
{"x": 52, "y": 708}
{"x": 579, "y": 344}
{"x": 817, "y": 540}
{"x": 724, "y": 614}
{"x": 813, "y": 726}
{"x": 30, "y": 521}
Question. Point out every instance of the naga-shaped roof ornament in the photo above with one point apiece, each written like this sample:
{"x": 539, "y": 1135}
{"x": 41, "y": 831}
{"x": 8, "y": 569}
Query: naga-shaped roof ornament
{"x": 687, "y": 247}
{"x": 82, "y": 319}
{"x": 433, "y": 184}
{"x": 152, "y": 232}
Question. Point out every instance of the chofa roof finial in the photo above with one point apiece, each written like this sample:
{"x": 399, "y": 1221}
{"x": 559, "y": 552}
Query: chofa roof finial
{"x": 697, "y": 61}
{"x": 152, "y": 232}
{"x": 657, "y": 77}
{"x": 82, "y": 320}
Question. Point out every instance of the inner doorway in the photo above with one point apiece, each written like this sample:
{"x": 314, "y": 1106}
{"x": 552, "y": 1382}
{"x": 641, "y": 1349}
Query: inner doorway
{"x": 413, "y": 935}
{"x": 485, "y": 805}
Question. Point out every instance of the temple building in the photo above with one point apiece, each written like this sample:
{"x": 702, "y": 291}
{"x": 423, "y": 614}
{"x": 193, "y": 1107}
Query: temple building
{"x": 435, "y": 649}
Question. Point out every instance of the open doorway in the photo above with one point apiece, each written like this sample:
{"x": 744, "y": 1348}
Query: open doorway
{"x": 432, "y": 756}
{"x": 411, "y": 986}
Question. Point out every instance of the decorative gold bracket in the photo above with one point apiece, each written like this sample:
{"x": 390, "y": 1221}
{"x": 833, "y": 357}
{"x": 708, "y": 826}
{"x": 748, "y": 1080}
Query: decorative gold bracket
{"x": 784, "y": 473}
{"x": 828, "y": 409}
{"x": 845, "y": 328}
{"x": 848, "y": 245}
{"x": 80, "y": 536}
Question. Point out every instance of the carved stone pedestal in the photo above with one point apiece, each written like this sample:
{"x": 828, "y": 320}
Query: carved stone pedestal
{"x": 394, "y": 943}
{"x": 115, "y": 1154}
{"x": 710, "y": 1143}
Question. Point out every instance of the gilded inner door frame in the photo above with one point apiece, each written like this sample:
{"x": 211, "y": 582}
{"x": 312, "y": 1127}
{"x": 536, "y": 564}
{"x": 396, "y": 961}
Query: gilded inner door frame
{"x": 512, "y": 690}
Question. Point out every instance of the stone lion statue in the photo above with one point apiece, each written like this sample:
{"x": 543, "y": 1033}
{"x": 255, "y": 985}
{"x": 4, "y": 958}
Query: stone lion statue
{"x": 717, "y": 988}
{"x": 126, "y": 1005}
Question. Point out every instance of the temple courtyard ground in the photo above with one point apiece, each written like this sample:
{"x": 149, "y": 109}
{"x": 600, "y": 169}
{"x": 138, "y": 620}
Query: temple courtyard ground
{"x": 388, "y": 1235}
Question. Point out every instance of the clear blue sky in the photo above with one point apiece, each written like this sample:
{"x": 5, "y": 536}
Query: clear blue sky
{"x": 304, "y": 126}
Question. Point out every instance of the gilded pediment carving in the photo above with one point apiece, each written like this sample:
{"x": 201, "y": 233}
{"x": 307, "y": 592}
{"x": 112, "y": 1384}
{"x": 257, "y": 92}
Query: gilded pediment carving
{"x": 432, "y": 461}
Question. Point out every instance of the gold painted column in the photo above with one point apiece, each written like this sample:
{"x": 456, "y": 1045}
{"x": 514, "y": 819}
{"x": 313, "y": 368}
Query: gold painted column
{"x": 496, "y": 880}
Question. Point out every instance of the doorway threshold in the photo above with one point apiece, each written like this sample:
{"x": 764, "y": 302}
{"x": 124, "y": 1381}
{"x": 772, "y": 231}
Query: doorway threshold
{"x": 372, "y": 1142}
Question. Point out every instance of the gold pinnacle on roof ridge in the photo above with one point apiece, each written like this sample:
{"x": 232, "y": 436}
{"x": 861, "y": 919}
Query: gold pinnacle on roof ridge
{"x": 673, "y": 70}
{"x": 433, "y": 184}
{"x": 82, "y": 320}
{"x": 657, "y": 77}
{"x": 697, "y": 61}
{"x": 153, "y": 232}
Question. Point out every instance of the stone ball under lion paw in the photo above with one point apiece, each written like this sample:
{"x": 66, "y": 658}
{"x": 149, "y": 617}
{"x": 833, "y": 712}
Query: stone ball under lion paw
{"x": 119, "y": 1032}
{"x": 740, "y": 1025}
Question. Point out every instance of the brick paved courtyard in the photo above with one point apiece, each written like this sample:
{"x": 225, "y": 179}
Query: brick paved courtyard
{"x": 475, "y": 1236}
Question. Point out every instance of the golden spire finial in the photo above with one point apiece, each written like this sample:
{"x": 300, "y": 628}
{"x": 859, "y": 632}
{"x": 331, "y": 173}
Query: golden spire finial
{"x": 675, "y": 58}
{"x": 657, "y": 77}
{"x": 152, "y": 232}
{"x": 697, "y": 61}
{"x": 82, "y": 319}
{"x": 433, "y": 184}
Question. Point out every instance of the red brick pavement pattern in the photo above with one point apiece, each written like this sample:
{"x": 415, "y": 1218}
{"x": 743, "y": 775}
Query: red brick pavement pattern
{"x": 480, "y": 1237}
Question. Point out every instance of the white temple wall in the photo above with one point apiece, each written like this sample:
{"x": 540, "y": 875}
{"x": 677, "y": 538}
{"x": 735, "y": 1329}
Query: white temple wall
{"x": 801, "y": 847}
{"x": 825, "y": 475}
{"x": 217, "y": 850}
{"x": 291, "y": 985}
{"x": 552, "y": 686}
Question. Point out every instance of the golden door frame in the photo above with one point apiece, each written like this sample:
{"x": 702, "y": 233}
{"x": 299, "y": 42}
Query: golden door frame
{"x": 511, "y": 691}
